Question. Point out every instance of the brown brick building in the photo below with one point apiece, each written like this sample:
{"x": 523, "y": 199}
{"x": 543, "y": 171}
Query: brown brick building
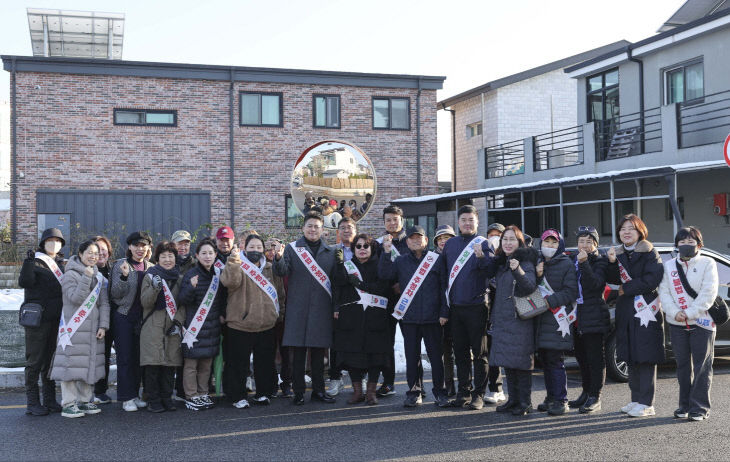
{"x": 181, "y": 152}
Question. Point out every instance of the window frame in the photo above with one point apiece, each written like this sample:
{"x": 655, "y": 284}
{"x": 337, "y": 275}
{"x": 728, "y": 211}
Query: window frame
{"x": 145, "y": 112}
{"x": 476, "y": 127}
{"x": 602, "y": 91}
{"x": 261, "y": 93}
{"x": 326, "y": 108}
{"x": 683, "y": 66}
{"x": 390, "y": 112}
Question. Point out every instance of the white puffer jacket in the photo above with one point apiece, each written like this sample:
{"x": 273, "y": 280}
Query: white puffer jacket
{"x": 701, "y": 274}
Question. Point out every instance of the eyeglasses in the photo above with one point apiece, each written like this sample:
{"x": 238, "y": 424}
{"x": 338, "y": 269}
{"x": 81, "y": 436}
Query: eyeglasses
{"x": 362, "y": 246}
{"x": 586, "y": 229}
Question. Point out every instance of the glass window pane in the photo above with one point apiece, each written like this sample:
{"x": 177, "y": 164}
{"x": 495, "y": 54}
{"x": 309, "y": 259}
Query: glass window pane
{"x": 381, "y": 118}
{"x": 595, "y": 107}
{"x": 400, "y": 113}
{"x": 319, "y": 111}
{"x": 479, "y": 129}
{"x": 694, "y": 81}
{"x": 675, "y": 86}
{"x": 612, "y": 106}
{"x": 129, "y": 117}
{"x": 595, "y": 83}
{"x": 250, "y": 114}
{"x": 270, "y": 109}
{"x": 612, "y": 78}
{"x": 333, "y": 111}
{"x": 157, "y": 118}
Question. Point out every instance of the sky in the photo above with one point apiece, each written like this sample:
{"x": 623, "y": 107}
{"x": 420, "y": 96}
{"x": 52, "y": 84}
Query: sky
{"x": 469, "y": 42}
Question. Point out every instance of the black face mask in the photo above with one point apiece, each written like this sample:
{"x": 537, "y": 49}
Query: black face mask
{"x": 254, "y": 256}
{"x": 687, "y": 250}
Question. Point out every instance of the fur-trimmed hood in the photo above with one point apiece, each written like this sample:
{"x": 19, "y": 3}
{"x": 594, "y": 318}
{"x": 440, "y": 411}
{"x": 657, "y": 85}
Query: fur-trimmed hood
{"x": 642, "y": 246}
{"x": 526, "y": 254}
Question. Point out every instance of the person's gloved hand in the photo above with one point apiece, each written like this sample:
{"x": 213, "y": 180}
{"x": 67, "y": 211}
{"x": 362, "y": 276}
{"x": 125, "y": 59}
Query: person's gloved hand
{"x": 340, "y": 256}
{"x": 157, "y": 282}
{"x": 354, "y": 280}
{"x": 30, "y": 255}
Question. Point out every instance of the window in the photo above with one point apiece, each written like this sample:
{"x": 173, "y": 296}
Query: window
{"x": 145, "y": 117}
{"x": 392, "y": 113}
{"x": 261, "y": 109}
{"x": 603, "y": 101}
{"x": 684, "y": 83}
{"x": 294, "y": 218}
{"x": 473, "y": 130}
{"x": 326, "y": 111}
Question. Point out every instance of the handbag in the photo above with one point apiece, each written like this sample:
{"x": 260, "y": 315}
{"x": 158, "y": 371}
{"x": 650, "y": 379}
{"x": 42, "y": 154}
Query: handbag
{"x": 30, "y": 315}
{"x": 718, "y": 311}
{"x": 530, "y": 306}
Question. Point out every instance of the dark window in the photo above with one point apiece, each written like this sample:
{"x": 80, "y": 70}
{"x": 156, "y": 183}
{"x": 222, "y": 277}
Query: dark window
{"x": 149, "y": 117}
{"x": 392, "y": 113}
{"x": 603, "y": 102}
{"x": 261, "y": 109}
{"x": 294, "y": 218}
{"x": 685, "y": 82}
{"x": 326, "y": 111}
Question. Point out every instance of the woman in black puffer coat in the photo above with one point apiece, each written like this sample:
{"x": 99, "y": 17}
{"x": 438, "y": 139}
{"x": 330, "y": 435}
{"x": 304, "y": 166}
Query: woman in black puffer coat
{"x": 362, "y": 338}
{"x": 198, "y": 359}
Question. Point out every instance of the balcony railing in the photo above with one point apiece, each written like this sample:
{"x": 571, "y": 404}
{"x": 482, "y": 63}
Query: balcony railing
{"x": 629, "y": 135}
{"x": 505, "y": 159}
{"x": 561, "y": 148}
{"x": 703, "y": 121}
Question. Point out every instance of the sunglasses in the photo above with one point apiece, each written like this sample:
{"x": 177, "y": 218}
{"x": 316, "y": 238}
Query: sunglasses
{"x": 586, "y": 229}
{"x": 362, "y": 246}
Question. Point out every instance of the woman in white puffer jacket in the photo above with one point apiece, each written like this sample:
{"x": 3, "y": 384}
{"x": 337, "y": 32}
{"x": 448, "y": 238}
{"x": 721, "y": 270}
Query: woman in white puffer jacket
{"x": 691, "y": 327}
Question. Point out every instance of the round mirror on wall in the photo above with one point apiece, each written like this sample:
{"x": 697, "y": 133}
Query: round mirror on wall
{"x": 334, "y": 178}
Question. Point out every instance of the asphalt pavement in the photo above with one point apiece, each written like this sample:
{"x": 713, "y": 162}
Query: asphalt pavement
{"x": 339, "y": 431}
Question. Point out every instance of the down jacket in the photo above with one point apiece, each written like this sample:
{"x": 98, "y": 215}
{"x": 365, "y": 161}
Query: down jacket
{"x": 208, "y": 339}
{"x": 559, "y": 272}
{"x": 156, "y": 347}
{"x": 42, "y": 287}
{"x": 593, "y": 314}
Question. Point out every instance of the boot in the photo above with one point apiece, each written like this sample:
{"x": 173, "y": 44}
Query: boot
{"x": 524, "y": 407}
{"x": 372, "y": 398}
{"x": 49, "y": 396}
{"x": 34, "y": 402}
{"x": 510, "y": 404}
{"x": 580, "y": 401}
{"x": 357, "y": 396}
{"x": 512, "y": 396}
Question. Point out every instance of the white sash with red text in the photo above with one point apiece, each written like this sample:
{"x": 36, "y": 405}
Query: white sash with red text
{"x": 170, "y": 305}
{"x": 191, "y": 334}
{"x": 313, "y": 267}
{"x": 414, "y": 284}
{"x": 67, "y": 331}
{"x": 704, "y": 320}
{"x": 254, "y": 273}
{"x": 645, "y": 312}
{"x": 461, "y": 261}
{"x": 219, "y": 264}
{"x": 51, "y": 265}
{"x": 560, "y": 313}
{"x": 366, "y": 299}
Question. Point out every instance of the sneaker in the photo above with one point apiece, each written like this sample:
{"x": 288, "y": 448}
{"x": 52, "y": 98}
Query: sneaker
{"x": 546, "y": 404}
{"x": 477, "y": 402}
{"x": 626, "y": 409}
{"x": 195, "y": 404}
{"x": 130, "y": 406}
{"x": 72, "y": 412}
{"x": 243, "y": 404}
{"x": 307, "y": 381}
{"x": 462, "y": 400}
{"x": 413, "y": 400}
{"x": 442, "y": 401}
{"x": 558, "y": 408}
{"x": 385, "y": 390}
{"x": 641, "y": 410}
{"x": 89, "y": 408}
{"x": 102, "y": 399}
{"x": 494, "y": 397}
{"x": 286, "y": 392}
{"x": 140, "y": 403}
{"x": 681, "y": 414}
{"x": 696, "y": 417}
{"x": 207, "y": 401}
{"x": 335, "y": 387}
{"x": 264, "y": 400}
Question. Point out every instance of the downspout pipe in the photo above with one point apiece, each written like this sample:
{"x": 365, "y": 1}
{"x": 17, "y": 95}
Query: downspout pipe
{"x": 453, "y": 146}
{"x": 13, "y": 154}
{"x": 641, "y": 96}
{"x": 231, "y": 156}
{"x": 418, "y": 139}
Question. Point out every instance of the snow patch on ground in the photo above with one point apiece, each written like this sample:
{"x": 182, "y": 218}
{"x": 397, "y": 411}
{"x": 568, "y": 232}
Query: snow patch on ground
{"x": 11, "y": 299}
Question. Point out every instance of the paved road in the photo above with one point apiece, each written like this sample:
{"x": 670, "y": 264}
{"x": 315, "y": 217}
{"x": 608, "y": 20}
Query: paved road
{"x": 387, "y": 431}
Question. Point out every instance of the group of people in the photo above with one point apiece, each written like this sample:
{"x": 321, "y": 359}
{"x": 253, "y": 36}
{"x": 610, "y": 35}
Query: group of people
{"x": 331, "y": 212}
{"x": 169, "y": 310}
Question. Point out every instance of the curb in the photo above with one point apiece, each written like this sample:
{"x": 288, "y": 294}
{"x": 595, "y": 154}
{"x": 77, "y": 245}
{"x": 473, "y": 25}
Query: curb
{"x": 15, "y": 377}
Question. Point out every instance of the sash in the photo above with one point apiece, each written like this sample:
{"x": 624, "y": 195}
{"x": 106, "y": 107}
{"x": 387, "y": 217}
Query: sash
{"x": 646, "y": 313}
{"x": 393, "y": 251}
{"x": 66, "y": 332}
{"x": 560, "y": 313}
{"x": 366, "y": 299}
{"x": 704, "y": 320}
{"x": 219, "y": 264}
{"x": 414, "y": 284}
{"x": 313, "y": 267}
{"x": 191, "y": 334}
{"x": 254, "y": 273}
{"x": 170, "y": 305}
{"x": 461, "y": 261}
{"x": 51, "y": 265}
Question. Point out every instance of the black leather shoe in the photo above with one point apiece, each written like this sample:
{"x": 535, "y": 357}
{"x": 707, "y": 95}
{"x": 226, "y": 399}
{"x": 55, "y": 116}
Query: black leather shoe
{"x": 558, "y": 408}
{"x": 155, "y": 406}
{"x": 578, "y": 402}
{"x": 298, "y": 399}
{"x": 522, "y": 409}
{"x": 169, "y": 404}
{"x": 322, "y": 397}
{"x": 545, "y": 405}
{"x": 592, "y": 404}
{"x": 507, "y": 406}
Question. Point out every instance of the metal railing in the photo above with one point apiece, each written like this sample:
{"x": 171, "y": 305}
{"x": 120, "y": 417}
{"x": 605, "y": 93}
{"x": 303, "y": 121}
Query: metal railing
{"x": 703, "y": 120}
{"x": 505, "y": 159}
{"x": 629, "y": 135}
{"x": 561, "y": 148}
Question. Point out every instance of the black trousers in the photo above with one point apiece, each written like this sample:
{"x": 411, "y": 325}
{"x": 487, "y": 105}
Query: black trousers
{"x": 431, "y": 336}
{"x": 447, "y": 346}
{"x": 494, "y": 382}
{"x": 285, "y": 354}
{"x": 389, "y": 369}
{"x": 519, "y": 386}
{"x": 334, "y": 372}
{"x": 589, "y": 352}
{"x": 299, "y": 366}
{"x": 357, "y": 374}
{"x": 469, "y": 329}
{"x": 40, "y": 345}
{"x": 158, "y": 382}
{"x": 102, "y": 385}
{"x": 240, "y": 345}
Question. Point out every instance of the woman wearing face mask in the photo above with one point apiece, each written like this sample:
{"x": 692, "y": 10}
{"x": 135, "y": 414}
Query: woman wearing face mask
{"x": 160, "y": 350}
{"x": 593, "y": 322}
{"x": 251, "y": 315}
{"x": 41, "y": 277}
{"x": 637, "y": 267}
{"x": 79, "y": 359}
{"x": 559, "y": 285}
{"x": 105, "y": 268}
{"x": 690, "y": 326}
{"x": 513, "y": 339}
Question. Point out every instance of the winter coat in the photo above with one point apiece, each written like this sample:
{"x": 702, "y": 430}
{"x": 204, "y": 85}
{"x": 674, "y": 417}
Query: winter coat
{"x": 513, "y": 339}
{"x": 560, "y": 274}
{"x": 470, "y": 286}
{"x": 593, "y": 314}
{"x": 429, "y": 302}
{"x": 42, "y": 287}
{"x": 249, "y": 309}
{"x": 84, "y": 358}
{"x": 156, "y": 347}
{"x": 309, "y": 309}
{"x": 123, "y": 290}
{"x": 637, "y": 344}
{"x": 208, "y": 339}
{"x": 701, "y": 272}
{"x": 358, "y": 330}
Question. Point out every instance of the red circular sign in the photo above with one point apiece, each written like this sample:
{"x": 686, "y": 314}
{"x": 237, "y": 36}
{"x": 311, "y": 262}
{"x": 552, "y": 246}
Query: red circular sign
{"x": 725, "y": 150}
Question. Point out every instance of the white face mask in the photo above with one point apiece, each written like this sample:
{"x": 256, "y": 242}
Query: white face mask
{"x": 548, "y": 252}
{"x": 52, "y": 247}
{"x": 494, "y": 242}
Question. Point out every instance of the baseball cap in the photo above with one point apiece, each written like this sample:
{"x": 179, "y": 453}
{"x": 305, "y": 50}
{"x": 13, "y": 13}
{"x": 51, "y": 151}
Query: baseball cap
{"x": 416, "y": 230}
{"x": 181, "y": 235}
{"x": 550, "y": 233}
{"x": 225, "y": 232}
